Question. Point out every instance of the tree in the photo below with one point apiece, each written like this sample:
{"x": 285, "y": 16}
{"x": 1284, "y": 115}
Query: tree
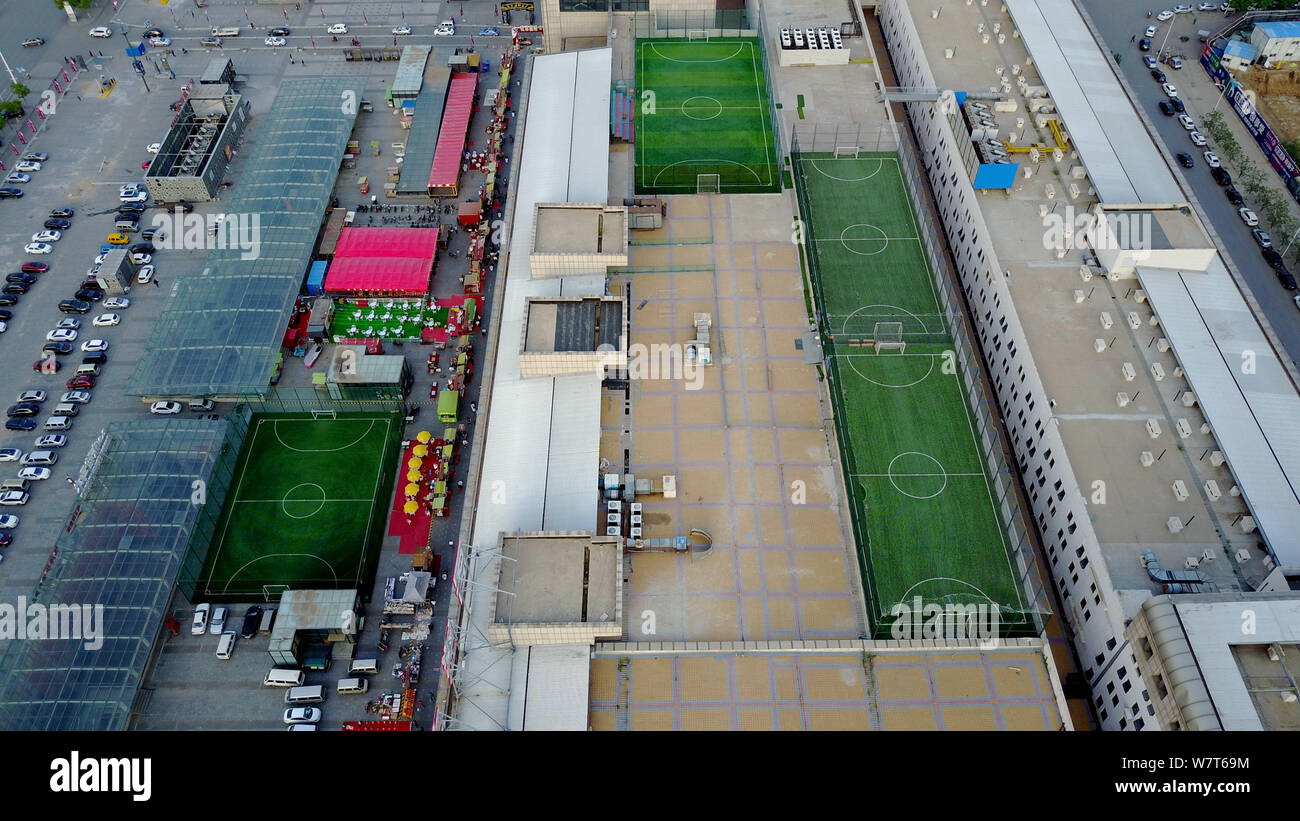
{"x": 19, "y": 90}
{"x": 11, "y": 109}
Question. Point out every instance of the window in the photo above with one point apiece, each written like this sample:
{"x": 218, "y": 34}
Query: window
{"x": 584, "y": 5}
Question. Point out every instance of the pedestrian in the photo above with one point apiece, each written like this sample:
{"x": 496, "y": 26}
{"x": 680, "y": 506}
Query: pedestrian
{"x": 155, "y": 283}
{"x": 460, "y": 484}
{"x": 78, "y": 96}
{"x": 1131, "y": 39}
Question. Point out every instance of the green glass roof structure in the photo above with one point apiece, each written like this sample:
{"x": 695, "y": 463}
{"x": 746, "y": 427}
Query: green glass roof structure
{"x": 121, "y": 547}
{"x": 220, "y": 331}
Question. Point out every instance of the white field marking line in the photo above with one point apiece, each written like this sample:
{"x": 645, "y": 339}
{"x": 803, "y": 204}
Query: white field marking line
{"x": 697, "y": 160}
{"x": 993, "y": 508}
{"x": 880, "y": 164}
{"x": 867, "y": 239}
{"x": 886, "y": 475}
{"x": 767, "y": 144}
{"x": 293, "y": 501}
{"x": 655, "y": 46}
{"x": 916, "y": 229}
{"x": 379, "y": 473}
{"x": 225, "y": 530}
{"x": 287, "y": 446}
{"x": 913, "y": 383}
{"x": 245, "y": 565}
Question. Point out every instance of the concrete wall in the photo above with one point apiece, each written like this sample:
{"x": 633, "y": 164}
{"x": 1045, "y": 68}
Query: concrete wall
{"x": 1091, "y": 603}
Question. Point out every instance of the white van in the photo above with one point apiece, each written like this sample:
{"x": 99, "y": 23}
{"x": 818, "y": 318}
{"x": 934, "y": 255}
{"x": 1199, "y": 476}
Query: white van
{"x": 268, "y": 619}
{"x": 353, "y": 685}
{"x": 58, "y": 423}
{"x": 66, "y": 409}
{"x": 360, "y": 666}
{"x": 313, "y": 694}
{"x": 199, "y": 404}
{"x": 227, "y": 644}
{"x": 284, "y": 677}
{"x": 90, "y": 369}
{"x": 225, "y": 31}
{"x": 40, "y": 458}
{"x": 13, "y": 484}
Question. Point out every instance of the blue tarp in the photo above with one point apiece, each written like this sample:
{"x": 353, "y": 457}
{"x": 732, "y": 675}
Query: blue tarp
{"x": 996, "y": 175}
{"x": 316, "y": 277}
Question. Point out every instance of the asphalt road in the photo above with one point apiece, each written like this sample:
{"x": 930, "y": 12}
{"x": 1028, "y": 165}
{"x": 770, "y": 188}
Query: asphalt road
{"x": 1118, "y": 22}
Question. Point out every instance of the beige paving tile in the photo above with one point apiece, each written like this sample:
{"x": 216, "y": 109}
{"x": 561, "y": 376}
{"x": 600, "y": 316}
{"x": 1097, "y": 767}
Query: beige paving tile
{"x": 652, "y": 256}
{"x": 755, "y": 627}
{"x": 802, "y": 445}
{"x": 735, "y": 408}
{"x": 770, "y": 257}
{"x": 701, "y": 446}
{"x": 642, "y": 719}
{"x": 838, "y": 718}
{"x": 694, "y": 284}
{"x": 797, "y": 410}
{"x": 650, "y": 679}
{"x": 1026, "y": 717}
{"x": 828, "y": 614}
{"x": 726, "y": 282}
{"x": 907, "y": 718}
{"x": 791, "y": 719}
{"x": 787, "y": 313}
{"x": 826, "y": 684}
{"x": 747, "y": 313}
{"x": 602, "y": 721}
{"x": 1014, "y": 678}
{"x": 742, "y": 255}
{"x": 704, "y": 679}
{"x": 762, "y": 441}
{"x": 611, "y": 446}
{"x": 651, "y": 409}
{"x": 721, "y": 231}
{"x": 776, "y": 572}
{"x": 780, "y": 612}
{"x": 781, "y": 283}
{"x": 820, "y": 570}
{"x": 972, "y": 717}
{"x": 713, "y": 620}
{"x": 760, "y": 408}
{"x": 814, "y": 525}
{"x": 652, "y": 446}
{"x": 787, "y": 683}
{"x": 709, "y": 720}
{"x": 754, "y": 718}
{"x": 770, "y": 488}
{"x": 771, "y": 524}
{"x": 604, "y": 678}
{"x": 749, "y": 578}
{"x": 716, "y": 574}
{"x": 654, "y": 572}
{"x": 960, "y": 682}
{"x": 698, "y": 408}
{"x": 704, "y": 484}
{"x": 792, "y": 376}
{"x": 686, "y": 206}
{"x": 701, "y": 255}
{"x": 742, "y": 484}
{"x": 752, "y": 678}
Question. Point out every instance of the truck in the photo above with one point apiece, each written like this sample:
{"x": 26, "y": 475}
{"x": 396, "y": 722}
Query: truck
{"x": 225, "y": 31}
{"x": 448, "y": 402}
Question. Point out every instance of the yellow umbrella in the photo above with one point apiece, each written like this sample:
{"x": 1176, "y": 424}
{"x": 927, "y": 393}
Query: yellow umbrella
{"x": 413, "y": 476}
{"x": 412, "y": 489}
{"x": 411, "y": 506}
{"x": 420, "y": 450}
{"x": 423, "y": 436}
{"x": 414, "y": 462}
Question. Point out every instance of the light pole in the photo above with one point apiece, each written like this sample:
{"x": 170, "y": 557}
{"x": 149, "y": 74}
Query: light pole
{"x": 1168, "y": 31}
{"x": 1288, "y": 242}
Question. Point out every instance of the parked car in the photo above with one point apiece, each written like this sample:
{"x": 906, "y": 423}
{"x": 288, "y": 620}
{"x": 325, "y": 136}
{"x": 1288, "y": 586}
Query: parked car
{"x": 1166, "y": 109}
{"x": 47, "y": 236}
{"x": 58, "y": 224}
{"x": 27, "y": 166}
{"x": 101, "y": 31}
{"x": 94, "y": 345}
{"x": 1156, "y": 74}
{"x": 1169, "y": 89}
{"x": 252, "y": 617}
{"x": 165, "y": 408}
{"x": 32, "y": 396}
{"x": 35, "y": 267}
{"x": 1186, "y": 122}
{"x": 51, "y": 440}
{"x": 19, "y": 178}
{"x": 33, "y": 41}
{"x": 15, "y": 288}
{"x": 1221, "y": 176}
{"x": 302, "y": 715}
{"x": 145, "y": 274}
{"x": 143, "y": 248}
{"x": 1185, "y": 159}
{"x": 279, "y": 31}
{"x": 200, "y": 624}
{"x": 81, "y": 382}
{"x": 399, "y": 30}
{"x": 89, "y": 295}
{"x": 275, "y": 41}
{"x": 23, "y": 409}
{"x": 61, "y": 335}
{"x": 106, "y": 320}
{"x": 1248, "y": 216}
{"x": 11, "y": 193}
{"x": 1149, "y": 62}
{"x": 75, "y": 397}
{"x": 1287, "y": 281}
{"x": 1165, "y": 16}
{"x": 21, "y": 423}
{"x": 38, "y": 248}
{"x": 37, "y": 156}
{"x": 1150, "y": 32}
{"x": 74, "y": 306}
{"x": 13, "y": 497}
{"x": 1178, "y": 105}
{"x": 10, "y": 454}
{"x": 337, "y": 28}
{"x": 119, "y": 303}
{"x": 57, "y": 348}
{"x": 8, "y": 521}
{"x": 26, "y": 279}
{"x": 1197, "y": 138}
{"x": 34, "y": 474}
{"x": 218, "y": 621}
{"x": 1262, "y": 239}
{"x": 63, "y": 211}
{"x": 1211, "y": 159}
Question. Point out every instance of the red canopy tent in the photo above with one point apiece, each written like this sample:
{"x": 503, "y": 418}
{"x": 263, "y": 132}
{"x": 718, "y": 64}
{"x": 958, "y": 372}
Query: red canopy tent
{"x": 383, "y": 261}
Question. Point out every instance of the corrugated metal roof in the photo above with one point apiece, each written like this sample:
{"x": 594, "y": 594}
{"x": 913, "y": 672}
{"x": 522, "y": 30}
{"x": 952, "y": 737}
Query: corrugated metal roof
{"x": 447, "y": 158}
{"x": 1280, "y": 28}
{"x": 558, "y": 687}
{"x": 1240, "y": 48}
{"x": 410, "y": 71}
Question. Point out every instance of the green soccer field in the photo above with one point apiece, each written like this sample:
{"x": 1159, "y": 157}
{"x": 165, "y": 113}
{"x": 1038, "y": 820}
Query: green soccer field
{"x": 708, "y": 114}
{"x": 921, "y": 498}
{"x": 308, "y": 506}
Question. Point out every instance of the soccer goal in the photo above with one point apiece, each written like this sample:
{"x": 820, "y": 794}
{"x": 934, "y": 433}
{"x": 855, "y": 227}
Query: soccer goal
{"x": 889, "y": 337}
{"x": 324, "y": 414}
{"x": 708, "y": 183}
{"x": 846, "y": 151}
{"x": 697, "y": 34}
{"x": 273, "y": 592}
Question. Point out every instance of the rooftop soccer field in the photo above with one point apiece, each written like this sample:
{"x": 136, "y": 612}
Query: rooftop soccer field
{"x": 307, "y": 506}
{"x": 923, "y": 507}
{"x": 708, "y": 114}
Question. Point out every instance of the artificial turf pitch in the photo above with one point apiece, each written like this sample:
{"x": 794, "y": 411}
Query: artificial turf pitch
{"x": 708, "y": 115}
{"x": 913, "y": 467}
{"x": 307, "y": 506}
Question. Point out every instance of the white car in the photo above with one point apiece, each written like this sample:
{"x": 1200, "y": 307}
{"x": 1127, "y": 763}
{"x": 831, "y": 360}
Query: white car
{"x": 52, "y": 440}
{"x": 27, "y": 165}
{"x": 34, "y": 474}
{"x": 1211, "y": 159}
{"x": 129, "y": 188}
{"x": 1150, "y": 32}
{"x": 13, "y": 497}
{"x": 76, "y": 397}
{"x": 70, "y": 322}
{"x": 1197, "y": 138}
{"x": 401, "y": 29}
{"x": 153, "y": 148}
{"x": 161, "y": 42}
{"x": 141, "y": 259}
{"x": 145, "y": 275}
{"x": 8, "y": 521}
{"x": 275, "y": 41}
{"x": 1149, "y": 61}
{"x": 120, "y": 303}
{"x": 38, "y": 248}
{"x": 61, "y": 335}
{"x": 337, "y": 28}
{"x": 301, "y": 715}
{"x": 1176, "y": 63}
{"x": 1170, "y": 90}
{"x": 218, "y": 621}
{"x": 1248, "y": 216}
{"x": 10, "y": 454}
{"x": 1182, "y": 9}
{"x": 165, "y": 408}
{"x": 18, "y": 178}
{"x": 1207, "y": 7}
{"x": 93, "y": 345}
{"x": 101, "y": 31}
{"x": 47, "y": 236}
{"x": 444, "y": 29}
{"x": 200, "y": 624}
{"x": 1187, "y": 122}
{"x": 4, "y": 326}
{"x": 106, "y": 320}
{"x": 1165, "y": 15}
{"x": 139, "y": 196}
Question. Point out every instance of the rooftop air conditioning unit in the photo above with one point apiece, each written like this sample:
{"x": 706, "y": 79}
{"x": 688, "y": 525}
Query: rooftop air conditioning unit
{"x": 1153, "y": 428}
{"x": 634, "y": 533}
{"x": 1106, "y": 321}
{"x": 1099, "y": 345}
{"x": 1129, "y": 372}
{"x": 612, "y": 531}
{"x": 1147, "y": 458}
{"x": 1180, "y": 490}
{"x": 1184, "y": 429}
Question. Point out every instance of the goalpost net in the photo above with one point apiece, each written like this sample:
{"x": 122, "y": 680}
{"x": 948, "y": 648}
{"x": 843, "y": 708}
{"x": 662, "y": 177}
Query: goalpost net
{"x": 324, "y": 414}
{"x": 272, "y": 592}
{"x": 708, "y": 183}
{"x": 889, "y": 337}
{"x": 697, "y": 34}
{"x": 846, "y": 151}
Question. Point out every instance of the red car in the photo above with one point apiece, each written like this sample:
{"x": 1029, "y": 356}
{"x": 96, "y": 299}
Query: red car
{"x": 47, "y": 366}
{"x": 81, "y": 383}
{"x": 35, "y": 267}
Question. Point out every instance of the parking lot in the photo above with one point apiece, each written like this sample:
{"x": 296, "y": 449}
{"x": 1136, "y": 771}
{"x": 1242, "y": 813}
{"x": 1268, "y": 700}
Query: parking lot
{"x": 1123, "y": 25}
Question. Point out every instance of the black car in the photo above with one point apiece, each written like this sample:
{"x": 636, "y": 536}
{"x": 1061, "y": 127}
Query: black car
{"x": 58, "y": 224}
{"x": 278, "y": 31}
{"x": 1166, "y": 109}
{"x": 74, "y": 306}
{"x": 1271, "y": 256}
{"x": 8, "y": 300}
{"x": 1158, "y": 75}
{"x": 1185, "y": 159}
{"x": 57, "y": 348}
{"x": 95, "y": 358}
{"x": 15, "y": 288}
{"x": 1287, "y": 281}
{"x": 6, "y": 315}
{"x": 6, "y": 539}
{"x": 21, "y": 277}
{"x": 1177, "y": 104}
{"x": 64, "y": 211}
{"x": 184, "y": 206}
{"x": 134, "y": 209}
{"x": 1231, "y": 193}
{"x": 143, "y": 248}
{"x": 1144, "y": 44}
{"x": 153, "y": 33}
{"x": 252, "y": 616}
{"x": 1280, "y": 269}
{"x": 15, "y": 113}
{"x": 22, "y": 423}
{"x": 23, "y": 409}
{"x": 1220, "y": 176}
{"x": 11, "y": 193}
{"x": 89, "y": 295}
